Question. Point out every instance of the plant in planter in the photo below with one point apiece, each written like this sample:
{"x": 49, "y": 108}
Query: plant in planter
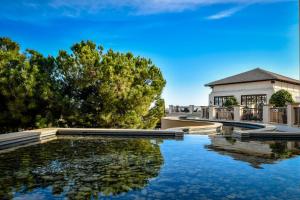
{"x": 280, "y": 98}
{"x": 230, "y": 101}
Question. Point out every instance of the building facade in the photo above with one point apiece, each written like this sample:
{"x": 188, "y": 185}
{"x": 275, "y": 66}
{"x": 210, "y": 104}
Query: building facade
{"x": 252, "y": 88}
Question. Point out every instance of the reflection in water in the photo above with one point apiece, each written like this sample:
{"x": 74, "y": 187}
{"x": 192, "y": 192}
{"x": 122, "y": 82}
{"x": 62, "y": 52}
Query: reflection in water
{"x": 198, "y": 167}
{"x": 254, "y": 152}
{"x": 81, "y": 168}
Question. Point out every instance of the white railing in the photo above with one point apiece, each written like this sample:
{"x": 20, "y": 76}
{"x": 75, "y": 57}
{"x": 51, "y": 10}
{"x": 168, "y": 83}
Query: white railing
{"x": 289, "y": 115}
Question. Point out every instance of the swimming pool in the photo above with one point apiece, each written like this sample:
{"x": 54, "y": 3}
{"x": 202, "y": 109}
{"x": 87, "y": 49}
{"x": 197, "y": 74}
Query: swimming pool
{"x": 196, "y": 167}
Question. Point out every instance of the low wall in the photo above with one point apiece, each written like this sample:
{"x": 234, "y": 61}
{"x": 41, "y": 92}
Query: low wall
{"x": 190, "y": 126}
{"x": 172, "y": 122}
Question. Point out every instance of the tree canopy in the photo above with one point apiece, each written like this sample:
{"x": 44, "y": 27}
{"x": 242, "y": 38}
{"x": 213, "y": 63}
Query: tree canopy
{"x": 280, "y": 98}
{"x": 25, "y": 87}
{"x": 85, "y": 87}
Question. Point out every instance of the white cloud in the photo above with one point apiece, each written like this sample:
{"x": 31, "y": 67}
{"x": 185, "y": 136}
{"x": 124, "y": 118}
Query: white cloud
{"x": 148, "y": 6}
{"x": 226, "y": 13}
{"x": 76, "y": 8}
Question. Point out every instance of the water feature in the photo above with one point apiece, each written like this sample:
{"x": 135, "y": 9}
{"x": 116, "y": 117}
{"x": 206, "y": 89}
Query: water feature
{"x": 197, "y": 167}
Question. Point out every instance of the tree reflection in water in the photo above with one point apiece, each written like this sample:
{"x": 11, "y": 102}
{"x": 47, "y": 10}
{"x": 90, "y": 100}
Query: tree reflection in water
{"x": 81, "y": 168}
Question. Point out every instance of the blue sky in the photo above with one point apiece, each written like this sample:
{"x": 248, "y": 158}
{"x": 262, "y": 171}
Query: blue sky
{"x": 192, "y": 41}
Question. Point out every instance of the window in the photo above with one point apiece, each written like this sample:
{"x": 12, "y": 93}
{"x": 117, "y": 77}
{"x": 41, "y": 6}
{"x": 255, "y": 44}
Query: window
{"x": 220, "y": 100}
{"x": 256, "y": 100}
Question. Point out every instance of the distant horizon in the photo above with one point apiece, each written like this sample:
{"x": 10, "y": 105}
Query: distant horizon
{"x": 193, "y": 42}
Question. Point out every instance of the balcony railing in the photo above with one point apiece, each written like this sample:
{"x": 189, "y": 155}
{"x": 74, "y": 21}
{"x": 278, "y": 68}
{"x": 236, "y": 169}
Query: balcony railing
{"x": 297, "y": 116}
{"x": 278, "y": 115}
{"x": 224, "y": 113}
{"x": 252, "y": 114}
{"x": 281, "y": 115}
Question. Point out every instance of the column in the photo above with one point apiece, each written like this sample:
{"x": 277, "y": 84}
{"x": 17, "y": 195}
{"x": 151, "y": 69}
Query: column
{"x": 171, "y": 108}
{"x": 266, "y": 114}
{"x": 237, "y": 112}
{"x": 212, "y": 112}
{"x": 191, "y": 108}
{"x": 202, "y": 108}
{"x": 290, "y": 115}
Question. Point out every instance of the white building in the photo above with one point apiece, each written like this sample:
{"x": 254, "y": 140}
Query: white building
{"x": 252, "y": 88}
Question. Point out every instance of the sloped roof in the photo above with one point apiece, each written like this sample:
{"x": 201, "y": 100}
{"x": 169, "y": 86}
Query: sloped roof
{"x": 254, "y": 75}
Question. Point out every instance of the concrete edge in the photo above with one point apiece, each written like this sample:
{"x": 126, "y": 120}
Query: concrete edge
{"x": 193, "y": 129}
{"x": 254, "y": 125}
{"x": 206, "y": 127}
{"x": 14, "y": 146}
{"x": 13, "y": 140}
{"x": 119, "y": 132}
{"x": 268, "y": 131}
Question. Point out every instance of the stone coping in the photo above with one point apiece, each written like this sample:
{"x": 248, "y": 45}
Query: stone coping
{"x": 18, "y": 145}
{"x": 246, "y": 124}
{"x": 191, "y": 126}
{"x": 193, "y": 129}
{"x": 118, "y": 132}
{"x": 13, "y": 140}
{"x": 263, "y": 131}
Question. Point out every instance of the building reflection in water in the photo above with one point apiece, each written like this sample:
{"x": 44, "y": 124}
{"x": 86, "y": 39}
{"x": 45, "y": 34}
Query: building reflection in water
{"x": 255, "y": 153}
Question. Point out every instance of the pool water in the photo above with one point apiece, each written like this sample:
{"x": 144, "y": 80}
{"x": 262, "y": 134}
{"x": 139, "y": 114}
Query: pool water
{"x": 197, "y": 167}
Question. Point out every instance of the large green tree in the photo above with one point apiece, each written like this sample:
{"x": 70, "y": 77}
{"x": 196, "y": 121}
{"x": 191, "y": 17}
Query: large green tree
{"x": 84, "y": 88}
{"x": 109, "y": 89}
{"x": 25, "y": 87}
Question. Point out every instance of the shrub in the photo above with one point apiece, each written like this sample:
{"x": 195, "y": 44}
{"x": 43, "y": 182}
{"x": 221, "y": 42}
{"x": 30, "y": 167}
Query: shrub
{"x": 231, "y": 101}
{"x": 280, "y": 98}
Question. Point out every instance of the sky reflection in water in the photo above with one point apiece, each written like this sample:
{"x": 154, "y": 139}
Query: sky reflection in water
{"x": 198, "y": 167}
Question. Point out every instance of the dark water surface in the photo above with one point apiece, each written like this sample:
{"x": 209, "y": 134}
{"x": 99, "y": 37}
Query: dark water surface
{"x": 198, "y": 167}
